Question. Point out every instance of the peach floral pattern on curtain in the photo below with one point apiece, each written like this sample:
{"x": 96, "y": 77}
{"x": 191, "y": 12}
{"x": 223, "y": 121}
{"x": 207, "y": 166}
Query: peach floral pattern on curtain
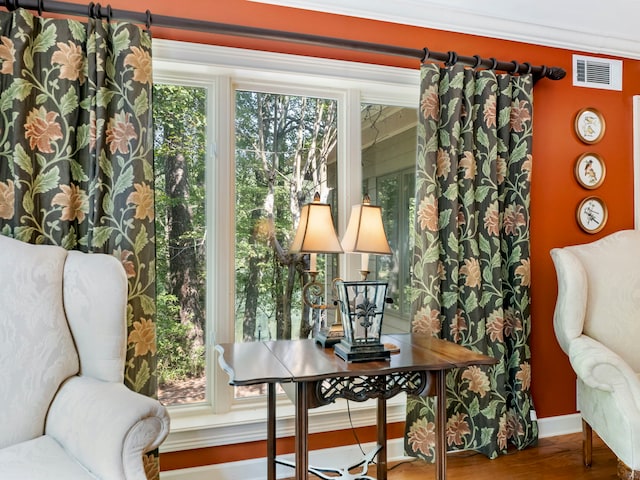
{"x": 471, "y": 266}
{"x": 76, "y": 159}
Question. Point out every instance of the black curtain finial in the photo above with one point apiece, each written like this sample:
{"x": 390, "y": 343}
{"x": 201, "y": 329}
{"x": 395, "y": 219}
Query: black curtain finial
{"x": 556, "y": 73}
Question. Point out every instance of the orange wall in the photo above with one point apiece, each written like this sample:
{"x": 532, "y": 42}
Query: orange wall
{"x": 555, "y": 193}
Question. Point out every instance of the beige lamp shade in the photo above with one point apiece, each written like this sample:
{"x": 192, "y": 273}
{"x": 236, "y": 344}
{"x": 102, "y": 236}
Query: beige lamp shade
{"x": 316, "y": 233}
{"x": 365, "y": 231}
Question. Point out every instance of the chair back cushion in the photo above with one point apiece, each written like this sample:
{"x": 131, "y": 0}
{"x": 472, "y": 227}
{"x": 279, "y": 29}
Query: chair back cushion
{"x": 37, "y": 351}
{"x": 95, "y": 300}
{"x": 612, "y": 267}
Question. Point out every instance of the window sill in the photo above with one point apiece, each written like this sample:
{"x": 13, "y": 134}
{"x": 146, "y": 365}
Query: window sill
{"x": 197, "y": 427}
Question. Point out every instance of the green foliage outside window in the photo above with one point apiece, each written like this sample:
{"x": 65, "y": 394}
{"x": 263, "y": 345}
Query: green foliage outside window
{"x": 285, "y": 152}
{"x": 180, "y": 163}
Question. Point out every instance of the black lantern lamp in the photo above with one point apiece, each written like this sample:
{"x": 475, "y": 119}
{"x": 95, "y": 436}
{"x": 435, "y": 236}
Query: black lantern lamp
{"x": 362, "y": 308}
{"x": 362, "y": 303}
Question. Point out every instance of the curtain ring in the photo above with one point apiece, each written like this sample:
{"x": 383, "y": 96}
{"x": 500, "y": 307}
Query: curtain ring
{"x": 494, "y": 63}
{"x": 109, "y": 13}
{"x": 40, "y": 7}
{"x": 478, "y": 61}
{"x": 453, "y": 58}
{"x": 98, "y": 11}
{"x": 516, "y": 67}
{"x": 529, "y": 67}
{"x": 425, "y": 55}
{"x": 148, "y": 21}
{"x": 11, "y": 5}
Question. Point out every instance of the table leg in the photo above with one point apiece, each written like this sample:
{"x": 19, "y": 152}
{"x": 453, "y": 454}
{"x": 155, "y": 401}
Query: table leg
{"x": 302, "y": 430}
{"x": 271, "y": 431}
{"x": 382, "y": 439}
{"x": 441, "y": 422}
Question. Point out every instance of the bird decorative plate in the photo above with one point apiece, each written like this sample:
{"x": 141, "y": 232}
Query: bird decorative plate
{"x": 590, "y": 170}
{"x": 592, "y": 214}
{"x": 589, "y": 125}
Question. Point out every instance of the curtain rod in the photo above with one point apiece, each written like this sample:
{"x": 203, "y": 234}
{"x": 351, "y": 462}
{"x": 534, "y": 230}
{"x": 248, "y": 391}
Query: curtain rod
{"x": 146, "y": 18}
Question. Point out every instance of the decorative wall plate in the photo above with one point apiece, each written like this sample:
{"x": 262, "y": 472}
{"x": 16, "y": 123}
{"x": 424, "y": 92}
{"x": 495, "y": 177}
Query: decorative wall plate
{"x": 590, "y": 125}
{"x": 592, "y": 214}
{"x": 590, "y": 170}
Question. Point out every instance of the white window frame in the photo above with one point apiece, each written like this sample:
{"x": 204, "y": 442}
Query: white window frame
{"x": 222, "y": 420}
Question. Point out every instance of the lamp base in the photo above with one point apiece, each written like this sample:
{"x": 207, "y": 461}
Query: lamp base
{"x": 361, "y": 353}
{"x": 328, "y": 337}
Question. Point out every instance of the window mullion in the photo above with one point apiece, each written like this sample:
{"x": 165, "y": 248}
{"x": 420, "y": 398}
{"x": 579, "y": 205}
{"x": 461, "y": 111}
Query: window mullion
{"x": 350, "y": 171}
{"x": 221, "y": 221}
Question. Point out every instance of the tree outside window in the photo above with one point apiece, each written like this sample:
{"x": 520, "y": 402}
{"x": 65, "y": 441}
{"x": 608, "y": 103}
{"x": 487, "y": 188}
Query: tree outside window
{"x": 179, "y": 161}
{"x": 285, "y": 152}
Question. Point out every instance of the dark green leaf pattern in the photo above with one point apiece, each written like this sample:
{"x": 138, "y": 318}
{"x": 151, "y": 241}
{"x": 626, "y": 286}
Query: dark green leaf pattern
{"x": 76, "y": 160}
{"x": 471, "y": 274}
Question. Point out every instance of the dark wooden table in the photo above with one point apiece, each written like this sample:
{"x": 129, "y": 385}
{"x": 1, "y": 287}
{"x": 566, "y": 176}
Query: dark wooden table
{"x": 321, "y": 377}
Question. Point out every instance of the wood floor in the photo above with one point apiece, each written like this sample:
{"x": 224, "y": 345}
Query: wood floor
{"x": 555, "y": 458}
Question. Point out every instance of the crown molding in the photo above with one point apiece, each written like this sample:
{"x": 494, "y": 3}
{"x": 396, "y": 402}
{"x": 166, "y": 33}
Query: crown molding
{"x": 580, "y": 29}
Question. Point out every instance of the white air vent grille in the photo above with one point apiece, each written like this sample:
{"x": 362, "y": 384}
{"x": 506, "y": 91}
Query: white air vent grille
{"x": 594, "y": 72}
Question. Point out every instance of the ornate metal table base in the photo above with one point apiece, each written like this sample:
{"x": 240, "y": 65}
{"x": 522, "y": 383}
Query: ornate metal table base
{"x": 360, "y": 389}
{"x": 341, "y": 473}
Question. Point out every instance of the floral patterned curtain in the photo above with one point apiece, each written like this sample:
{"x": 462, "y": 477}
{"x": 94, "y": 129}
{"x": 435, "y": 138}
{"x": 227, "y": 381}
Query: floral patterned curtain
{"x": 76, "y": 158}
{"x": 471, "y": 272}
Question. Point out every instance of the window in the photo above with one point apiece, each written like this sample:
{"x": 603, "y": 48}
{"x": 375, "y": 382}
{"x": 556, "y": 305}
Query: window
{"x": 285, "y": 152}
{"x": 257, "y": 143}
{"x": 388, "y": 165}
{"x": 179, "y": 162}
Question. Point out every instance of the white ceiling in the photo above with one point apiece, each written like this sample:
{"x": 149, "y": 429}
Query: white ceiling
{"x": 606, "y": 27}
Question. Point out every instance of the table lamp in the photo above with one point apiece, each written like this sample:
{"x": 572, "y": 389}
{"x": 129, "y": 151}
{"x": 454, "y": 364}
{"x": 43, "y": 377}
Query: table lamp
{"x": 316, "y": 234}
{"x": 362, "y": 303}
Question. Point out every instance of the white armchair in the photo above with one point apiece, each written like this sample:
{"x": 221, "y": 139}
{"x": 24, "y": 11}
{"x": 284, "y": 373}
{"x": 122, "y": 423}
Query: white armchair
{"x": 65, "y": 412}
{"x": 597, "y": 324}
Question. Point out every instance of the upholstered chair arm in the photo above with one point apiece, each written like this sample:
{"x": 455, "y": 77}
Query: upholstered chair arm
{"x": 107, "y": 427}
{"x": 603, "y": 369}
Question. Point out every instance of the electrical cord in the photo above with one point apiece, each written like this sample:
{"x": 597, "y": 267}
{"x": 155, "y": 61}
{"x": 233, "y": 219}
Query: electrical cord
{"x": 359, "y": 443}
{"x": 353, "y": 429}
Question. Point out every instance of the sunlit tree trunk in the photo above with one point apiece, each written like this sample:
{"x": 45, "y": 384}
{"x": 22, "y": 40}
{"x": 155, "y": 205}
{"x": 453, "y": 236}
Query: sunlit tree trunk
{"x": 251, "y": 288}
{"x": 183, "y": 251}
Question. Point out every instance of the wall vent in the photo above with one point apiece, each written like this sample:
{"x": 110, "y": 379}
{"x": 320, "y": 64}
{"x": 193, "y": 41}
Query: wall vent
{"x": 595, "y": 72}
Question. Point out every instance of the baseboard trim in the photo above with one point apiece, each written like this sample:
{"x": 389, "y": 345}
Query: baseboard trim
{"x": 340, "y": 456}
{"x": 561, "y": 425}
{"x": 255, "y": 469}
